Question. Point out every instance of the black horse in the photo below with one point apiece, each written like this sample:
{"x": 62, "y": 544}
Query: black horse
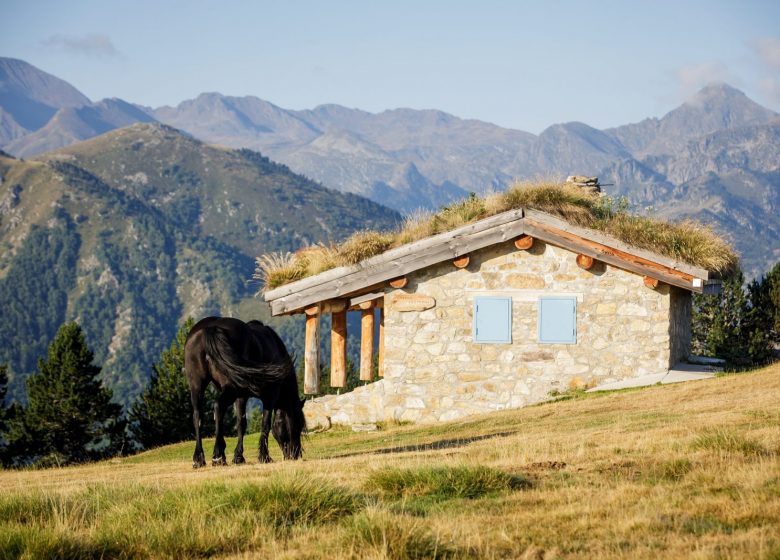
{"x": 243, "y": 360}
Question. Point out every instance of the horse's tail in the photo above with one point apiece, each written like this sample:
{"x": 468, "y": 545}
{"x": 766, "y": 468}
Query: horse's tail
{"x": 244, "y": 373}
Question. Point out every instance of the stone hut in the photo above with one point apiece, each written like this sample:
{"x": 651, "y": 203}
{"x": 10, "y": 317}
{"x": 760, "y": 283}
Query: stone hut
{"x": 496, "y": 314}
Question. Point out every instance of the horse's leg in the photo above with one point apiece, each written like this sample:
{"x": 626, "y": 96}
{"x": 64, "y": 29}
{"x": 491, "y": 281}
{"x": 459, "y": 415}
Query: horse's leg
{"x": 238, "y": 454}
{"x": 196, "y": 395}
{"x": 221, "y": 405}
{"x": 263, "y": 455}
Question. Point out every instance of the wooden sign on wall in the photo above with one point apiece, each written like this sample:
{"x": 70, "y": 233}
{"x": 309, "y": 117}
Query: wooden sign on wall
{"x": 411, "y": 302}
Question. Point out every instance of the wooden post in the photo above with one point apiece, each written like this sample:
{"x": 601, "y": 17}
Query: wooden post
{"x": 367, "y": 344}
{"x": 524, "y": 242}
{"x": 311, "y": 357}
{"x": 381, "y": 341}
{"x": 585, "y": 262}
{"x": 338, "y": 349}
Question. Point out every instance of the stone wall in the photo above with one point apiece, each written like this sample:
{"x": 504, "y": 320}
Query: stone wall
{"x": 434, "y": 372}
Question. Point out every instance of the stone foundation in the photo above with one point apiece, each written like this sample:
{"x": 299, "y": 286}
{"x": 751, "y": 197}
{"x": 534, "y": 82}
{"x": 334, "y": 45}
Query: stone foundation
{"x": 435, "y": 372}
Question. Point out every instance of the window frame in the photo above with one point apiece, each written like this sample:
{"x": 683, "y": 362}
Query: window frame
{"x": 569, "y": 341}
{"x": 474, "y": 329}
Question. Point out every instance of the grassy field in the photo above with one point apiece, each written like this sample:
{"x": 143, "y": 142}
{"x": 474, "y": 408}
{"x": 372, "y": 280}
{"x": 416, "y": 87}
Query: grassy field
{"x": 681, "y": 471}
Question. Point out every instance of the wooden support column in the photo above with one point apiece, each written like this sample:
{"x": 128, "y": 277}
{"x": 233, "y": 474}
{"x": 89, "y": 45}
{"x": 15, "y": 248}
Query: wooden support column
{"x": 338, "y": 349}
{"x": 381, "y": 358}
{"x": 311, "y": 356}
{"x": 367, "y": 344}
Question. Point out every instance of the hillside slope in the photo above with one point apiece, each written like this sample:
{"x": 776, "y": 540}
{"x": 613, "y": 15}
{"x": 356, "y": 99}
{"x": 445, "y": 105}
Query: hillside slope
{"x": 674, "y": 471}
{"x": 134, "y": 230}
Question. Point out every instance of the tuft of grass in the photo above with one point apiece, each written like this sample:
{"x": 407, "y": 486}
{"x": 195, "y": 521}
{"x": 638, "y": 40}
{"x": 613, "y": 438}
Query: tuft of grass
{"x": 444, "y": 482}
{"x": 276, "y": 269}
{"x": 390, "y": 536}
{"x": 297, "y": 501}
{"x": 730, "y": 442}
{"x": 363, "y": 245}
{"x": 686, "y": 241}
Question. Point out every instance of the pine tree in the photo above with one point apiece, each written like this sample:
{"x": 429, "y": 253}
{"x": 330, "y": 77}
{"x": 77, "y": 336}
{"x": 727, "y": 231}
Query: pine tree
{"x": 163, "y": 412}
{"x": 3, "y": 409}
{"x": 739, "y": 325}
{"x": 69, "y": 415}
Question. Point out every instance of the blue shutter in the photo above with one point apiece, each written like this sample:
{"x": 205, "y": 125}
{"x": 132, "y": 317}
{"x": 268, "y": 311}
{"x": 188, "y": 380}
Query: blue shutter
{"x": 558, "y": 320}
{"x": 493, "y": 319}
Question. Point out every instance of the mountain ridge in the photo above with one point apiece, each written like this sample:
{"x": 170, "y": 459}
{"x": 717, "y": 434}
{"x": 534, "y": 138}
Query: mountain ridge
{"x": 408, "y": 158}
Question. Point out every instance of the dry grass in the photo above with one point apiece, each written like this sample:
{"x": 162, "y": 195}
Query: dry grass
{"x": 682, "y": 471}
{"x": 688, "y": 241}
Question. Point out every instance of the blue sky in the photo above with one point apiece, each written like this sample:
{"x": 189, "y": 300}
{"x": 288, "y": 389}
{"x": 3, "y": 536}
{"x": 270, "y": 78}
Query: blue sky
{"x": 518, "y": 64}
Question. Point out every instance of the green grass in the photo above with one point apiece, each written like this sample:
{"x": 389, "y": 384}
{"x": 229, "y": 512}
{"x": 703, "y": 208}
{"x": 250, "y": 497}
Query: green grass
{"x": 444, "y": 483}
{"x": 673, "y": 471}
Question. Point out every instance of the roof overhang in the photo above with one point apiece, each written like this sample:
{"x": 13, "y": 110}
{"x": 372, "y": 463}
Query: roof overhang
{"x": 353, "y": 281}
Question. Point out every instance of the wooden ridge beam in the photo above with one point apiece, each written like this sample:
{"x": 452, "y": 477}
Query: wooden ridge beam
{"x": 371, "y": 276}
{"x": 397, "y": 256}
{"x": 599, "y": 238}
{"x": 612, "y": 256}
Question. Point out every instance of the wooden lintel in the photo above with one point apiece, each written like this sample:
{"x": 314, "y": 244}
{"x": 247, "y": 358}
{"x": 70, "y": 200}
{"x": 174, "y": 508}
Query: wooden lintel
{"x": 399, "y": 283}
{"x": 651, "y": 282}
{"x": 367, "y": 345}
{"x": 461, "y": 262}
{"x": 330, "y": 306}
{"x": 338, "y": 349}
{"x": 311, "y": 357}
{"x": 585, "y": 262}
{"x": 524, "y": 242}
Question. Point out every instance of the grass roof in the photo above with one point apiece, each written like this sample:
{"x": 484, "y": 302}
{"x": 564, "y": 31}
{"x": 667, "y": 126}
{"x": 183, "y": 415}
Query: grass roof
{"x": 687, "y": 241}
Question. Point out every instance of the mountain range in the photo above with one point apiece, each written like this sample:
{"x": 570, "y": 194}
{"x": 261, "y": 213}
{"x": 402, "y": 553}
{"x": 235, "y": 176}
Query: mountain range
{"x": 714, "y": 158}
{"x": 132, "y": 231}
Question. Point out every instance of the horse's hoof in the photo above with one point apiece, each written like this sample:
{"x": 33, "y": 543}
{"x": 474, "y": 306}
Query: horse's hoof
{"x": 198, "y": 464}
{"x": 239, "y": 460}
{"x": 264, "y": 460}
{"x": 221, "y": 462}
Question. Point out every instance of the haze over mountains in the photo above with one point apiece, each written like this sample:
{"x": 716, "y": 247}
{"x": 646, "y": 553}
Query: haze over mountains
{"x": 713, "y": 158}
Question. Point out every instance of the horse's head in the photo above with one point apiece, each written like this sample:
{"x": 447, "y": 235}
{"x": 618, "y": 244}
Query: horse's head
{"x": 288, "y": 425}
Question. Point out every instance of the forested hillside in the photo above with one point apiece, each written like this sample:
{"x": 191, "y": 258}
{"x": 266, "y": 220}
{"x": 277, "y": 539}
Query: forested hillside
{"x": 135, "y": 230}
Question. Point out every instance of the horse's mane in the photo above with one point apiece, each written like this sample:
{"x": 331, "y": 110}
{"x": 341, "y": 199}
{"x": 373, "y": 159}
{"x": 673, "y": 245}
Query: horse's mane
{"x": 244, "y": 373}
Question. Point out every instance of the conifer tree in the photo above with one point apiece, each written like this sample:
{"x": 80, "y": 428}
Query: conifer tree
{"x": 69, "y": 415}
{"x": 163, "y": 412}
{"x": 3, "y": 409}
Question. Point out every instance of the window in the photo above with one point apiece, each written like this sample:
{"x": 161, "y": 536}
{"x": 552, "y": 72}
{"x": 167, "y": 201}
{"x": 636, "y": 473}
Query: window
{"x": 492, "y": 319}
{"x": 558, "y": 320}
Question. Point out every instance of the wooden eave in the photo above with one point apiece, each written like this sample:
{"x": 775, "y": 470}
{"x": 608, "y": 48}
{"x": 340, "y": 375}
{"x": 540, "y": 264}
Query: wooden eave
{"x": 370, "y": 274}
